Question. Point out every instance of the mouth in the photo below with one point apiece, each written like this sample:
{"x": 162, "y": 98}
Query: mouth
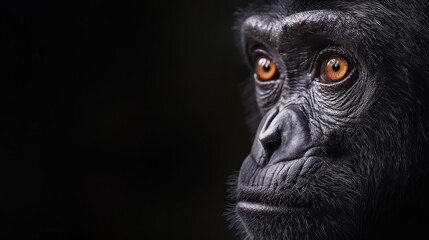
{"x": 254, "y": 212}
{"x": 259, "y": 194}
{"x": 252, "y": 202}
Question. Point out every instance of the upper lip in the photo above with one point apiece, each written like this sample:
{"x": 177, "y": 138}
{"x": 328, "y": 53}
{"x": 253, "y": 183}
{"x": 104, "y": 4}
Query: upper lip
{"x": 313, "y": 151}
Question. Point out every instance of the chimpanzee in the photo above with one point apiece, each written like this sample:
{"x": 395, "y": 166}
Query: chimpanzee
{"x": 340, "y": 89}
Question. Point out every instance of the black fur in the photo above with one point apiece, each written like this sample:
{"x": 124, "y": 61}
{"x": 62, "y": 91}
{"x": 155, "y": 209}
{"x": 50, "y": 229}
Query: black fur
{"x": 376, "y": 182}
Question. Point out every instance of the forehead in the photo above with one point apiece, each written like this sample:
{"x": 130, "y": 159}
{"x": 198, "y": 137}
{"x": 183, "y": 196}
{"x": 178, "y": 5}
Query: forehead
{"x": 276, "y": 31}
{"x": 288, "y": 7}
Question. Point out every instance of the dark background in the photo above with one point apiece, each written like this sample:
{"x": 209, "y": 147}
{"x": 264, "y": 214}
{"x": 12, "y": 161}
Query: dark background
{"x": 119, "y": 120}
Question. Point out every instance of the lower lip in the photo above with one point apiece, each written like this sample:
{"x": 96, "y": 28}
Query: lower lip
{"x": 254, "y": 207}
{"x": 257, "y": 207}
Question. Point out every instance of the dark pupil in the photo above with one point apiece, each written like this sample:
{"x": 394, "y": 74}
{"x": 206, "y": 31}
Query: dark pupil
{"x": 335, "y": 66}
{"x": 266, "y": 66}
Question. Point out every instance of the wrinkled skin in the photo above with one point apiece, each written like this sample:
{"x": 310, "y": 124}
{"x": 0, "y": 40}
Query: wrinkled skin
{"x": 340, "y": 160}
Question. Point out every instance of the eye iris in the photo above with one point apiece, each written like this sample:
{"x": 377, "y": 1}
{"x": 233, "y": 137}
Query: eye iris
{"x": 334, "y": 69}
{"x": 266, "y": 69}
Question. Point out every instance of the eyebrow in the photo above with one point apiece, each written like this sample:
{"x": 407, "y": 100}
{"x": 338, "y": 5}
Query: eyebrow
{"x": 337, "y": 26}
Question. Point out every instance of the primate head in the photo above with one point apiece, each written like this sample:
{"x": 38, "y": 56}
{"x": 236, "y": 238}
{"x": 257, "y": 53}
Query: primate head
{"x": 341, "y": 145}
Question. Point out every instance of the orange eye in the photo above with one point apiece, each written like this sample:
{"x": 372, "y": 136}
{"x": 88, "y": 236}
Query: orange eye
{"x": 266, "y": 69}
{"x": 334, "y": 69}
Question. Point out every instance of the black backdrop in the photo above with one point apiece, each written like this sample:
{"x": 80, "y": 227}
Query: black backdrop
{"x": 119, "y": 120}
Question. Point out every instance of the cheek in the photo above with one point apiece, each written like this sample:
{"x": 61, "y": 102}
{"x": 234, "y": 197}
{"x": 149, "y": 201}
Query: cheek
{"x": 337, "y": 108}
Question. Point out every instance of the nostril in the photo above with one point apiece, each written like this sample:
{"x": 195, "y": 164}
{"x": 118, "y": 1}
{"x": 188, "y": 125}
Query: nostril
{"x": 271, "y": 147}
{"x": 268, "y": 137}
{"x": 263, "y": 148}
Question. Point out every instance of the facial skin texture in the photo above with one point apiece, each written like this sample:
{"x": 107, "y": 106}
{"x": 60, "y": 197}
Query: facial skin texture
{"x": 335, "y": 159}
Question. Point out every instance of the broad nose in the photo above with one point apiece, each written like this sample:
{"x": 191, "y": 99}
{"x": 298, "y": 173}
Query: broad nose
{"x": 283, "y": 135}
